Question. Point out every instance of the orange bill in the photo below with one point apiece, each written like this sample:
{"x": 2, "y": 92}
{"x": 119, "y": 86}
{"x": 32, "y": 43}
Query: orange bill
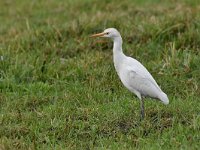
{"x": 98, "y": 34}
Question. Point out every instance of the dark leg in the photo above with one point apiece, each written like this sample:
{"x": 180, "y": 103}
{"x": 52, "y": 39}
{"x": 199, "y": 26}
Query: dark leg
{"x": 142, "y": 108}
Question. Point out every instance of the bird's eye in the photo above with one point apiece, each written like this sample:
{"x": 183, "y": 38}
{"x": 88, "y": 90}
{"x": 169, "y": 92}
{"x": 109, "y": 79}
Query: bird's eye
{"x": 107, "y": 33}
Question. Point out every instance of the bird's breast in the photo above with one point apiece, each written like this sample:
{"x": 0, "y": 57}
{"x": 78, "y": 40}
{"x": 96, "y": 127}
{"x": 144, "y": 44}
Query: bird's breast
{"x": 117, "y": 67}
{"x": 118, "y": 62}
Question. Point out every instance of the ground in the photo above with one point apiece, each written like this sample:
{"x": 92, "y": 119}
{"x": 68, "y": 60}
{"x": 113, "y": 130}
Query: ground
{"x": 59, "y": 89}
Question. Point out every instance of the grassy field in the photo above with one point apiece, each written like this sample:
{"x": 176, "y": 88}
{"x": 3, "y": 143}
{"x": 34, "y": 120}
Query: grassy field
{"x": 59, "y": 89}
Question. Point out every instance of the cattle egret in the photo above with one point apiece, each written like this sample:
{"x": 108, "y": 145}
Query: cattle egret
{"x": 132, "y": 73}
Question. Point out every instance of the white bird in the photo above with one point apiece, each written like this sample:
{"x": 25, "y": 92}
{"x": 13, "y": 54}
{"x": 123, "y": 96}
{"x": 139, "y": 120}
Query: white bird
{"x": 132, "y": 73}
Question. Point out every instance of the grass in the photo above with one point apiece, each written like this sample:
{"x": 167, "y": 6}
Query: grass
{"x": 59, "y": 89}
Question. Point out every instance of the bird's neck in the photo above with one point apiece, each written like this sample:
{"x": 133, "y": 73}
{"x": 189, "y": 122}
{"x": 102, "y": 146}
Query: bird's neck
{"x": 117, "y": 47}
{"x": 118, "y": 54}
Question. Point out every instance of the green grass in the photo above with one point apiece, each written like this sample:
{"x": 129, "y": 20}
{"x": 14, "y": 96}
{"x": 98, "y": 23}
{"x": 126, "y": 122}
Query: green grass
{"x": 59, "y": 89}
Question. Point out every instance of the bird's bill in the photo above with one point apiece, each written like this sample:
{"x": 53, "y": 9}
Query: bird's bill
{"x": 98, "y": 34}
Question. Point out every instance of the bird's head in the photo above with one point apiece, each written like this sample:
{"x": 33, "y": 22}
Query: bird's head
{"x": 109, "y": 33}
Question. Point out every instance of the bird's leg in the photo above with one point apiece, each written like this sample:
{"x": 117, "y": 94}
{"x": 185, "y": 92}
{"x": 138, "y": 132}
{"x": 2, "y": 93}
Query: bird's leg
{"x": 142, "y": 108}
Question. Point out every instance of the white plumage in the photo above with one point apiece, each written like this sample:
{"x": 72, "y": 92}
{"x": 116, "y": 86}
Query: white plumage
{"x": 132, "y": 73}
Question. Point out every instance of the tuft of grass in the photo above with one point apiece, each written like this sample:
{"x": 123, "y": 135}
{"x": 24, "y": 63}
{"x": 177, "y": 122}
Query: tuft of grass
{"x": 59, "y": 89}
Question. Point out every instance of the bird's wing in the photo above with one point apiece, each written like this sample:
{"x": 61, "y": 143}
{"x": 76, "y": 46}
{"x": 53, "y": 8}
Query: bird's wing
{"x": 137, "y": 67}
{"x": 141, "y": 81}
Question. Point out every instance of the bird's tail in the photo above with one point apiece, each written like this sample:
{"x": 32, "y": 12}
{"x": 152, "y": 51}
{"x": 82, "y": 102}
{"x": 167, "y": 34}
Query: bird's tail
{"x": 163, "y": 97}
